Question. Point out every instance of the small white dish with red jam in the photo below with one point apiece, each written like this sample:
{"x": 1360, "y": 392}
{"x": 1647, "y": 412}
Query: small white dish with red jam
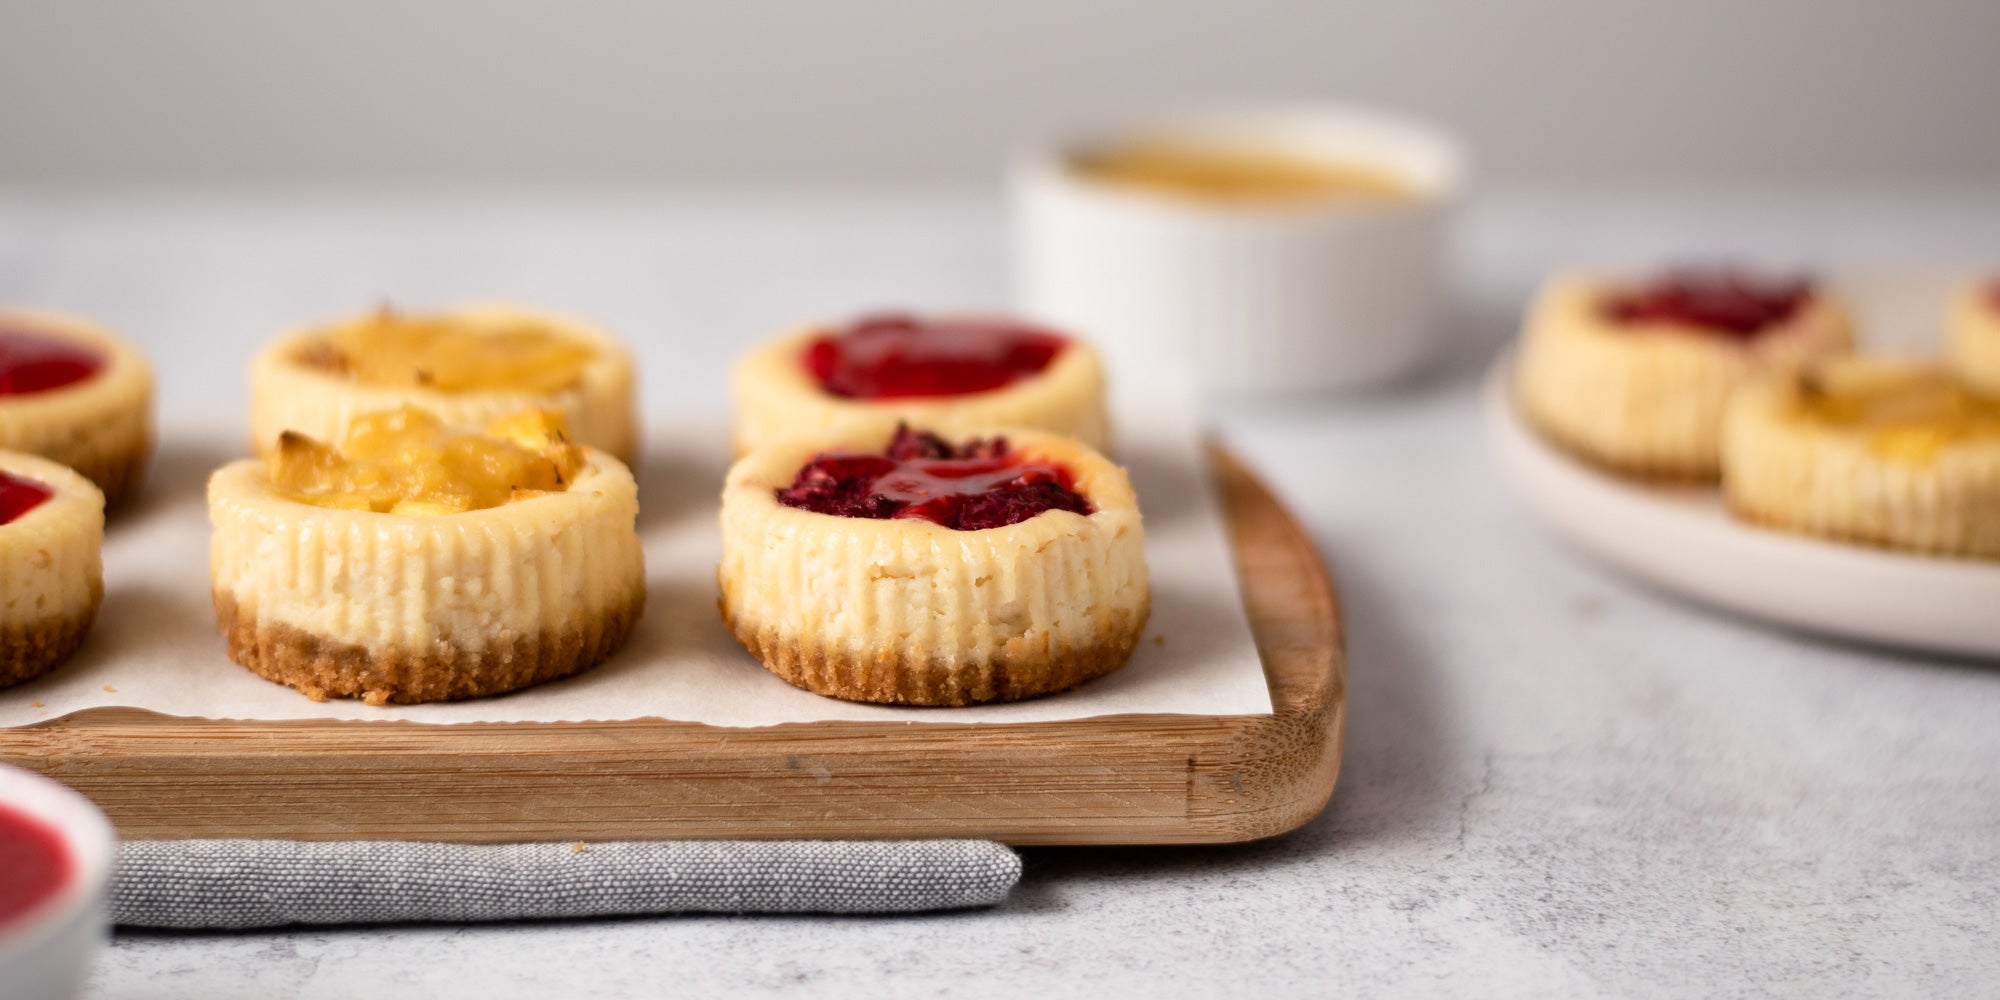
{"x": 56, "y": 852}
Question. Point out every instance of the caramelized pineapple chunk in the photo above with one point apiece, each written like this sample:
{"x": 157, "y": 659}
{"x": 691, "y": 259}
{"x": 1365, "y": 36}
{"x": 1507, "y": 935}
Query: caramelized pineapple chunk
{"x": 1909, "y": 413}
{"x": 451, "y": 353}
{"x": 405, "y": 461}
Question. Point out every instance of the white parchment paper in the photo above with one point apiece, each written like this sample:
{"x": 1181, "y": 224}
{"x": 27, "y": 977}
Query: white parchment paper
{"x": 156, "y": 646}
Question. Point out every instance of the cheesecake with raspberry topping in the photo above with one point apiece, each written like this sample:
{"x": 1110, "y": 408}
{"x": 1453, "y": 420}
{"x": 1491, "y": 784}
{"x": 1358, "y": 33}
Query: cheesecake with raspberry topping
{"x": 1633, "y": 375}
{"x": 955, "y": 374}
{"x": 926, "y": 571}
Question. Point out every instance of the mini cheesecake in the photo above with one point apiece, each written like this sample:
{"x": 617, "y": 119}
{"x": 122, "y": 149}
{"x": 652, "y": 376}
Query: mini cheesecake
{"x": 77, "y": 394}
{"x": 1892, "y": 453}
{"x": 51, "y": 572}
{"x": 1975, "y": 335}
{"x": 957, "y": 375}
{"x": 933, "y": 573}
{"x": 467, "y": 366}
{"x": 416, "y": 562}
{"x": 1634, "y": 376}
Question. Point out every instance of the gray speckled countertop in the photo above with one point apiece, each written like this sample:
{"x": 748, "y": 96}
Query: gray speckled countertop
{"x": 1557, "y": 782}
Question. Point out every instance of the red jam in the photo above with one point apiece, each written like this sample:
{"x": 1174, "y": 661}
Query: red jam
{"x": 1728, "y": 302}
{"x": 31, "y": 363}
{"x": 19, "y": 496}
{"x": 898, "y": 357}
{"x": 979, "y": 484}
{"x": 34, "y": 864}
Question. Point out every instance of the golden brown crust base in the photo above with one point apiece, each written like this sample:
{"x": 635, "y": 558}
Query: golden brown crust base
{"x": 908, "y": 677}
{"x": 28, "y": 651}
{"x": 322, "y": 667}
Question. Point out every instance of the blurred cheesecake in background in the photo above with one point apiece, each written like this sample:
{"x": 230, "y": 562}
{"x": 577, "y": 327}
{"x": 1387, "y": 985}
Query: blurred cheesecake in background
{"x": 1974, "y": 334}
{"x": 1902, "y": 454}
{"x": 1634, "y": 375}
{"x": 76, "y": 393}
{"x": 960, "y": 375}
{"x": 1238, "y": 251}
{"x": 467, "y": 366}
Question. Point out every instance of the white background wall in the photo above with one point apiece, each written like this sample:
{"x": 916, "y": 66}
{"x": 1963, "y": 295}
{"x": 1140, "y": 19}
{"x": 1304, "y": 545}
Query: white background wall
{"x": 632, "y": 91}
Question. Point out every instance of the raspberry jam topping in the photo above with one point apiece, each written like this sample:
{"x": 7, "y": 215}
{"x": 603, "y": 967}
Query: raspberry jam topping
{"x": 897, "y": 356}
{"x": 32, "y": 363}
{"x": 19, "y": 496}
{"x": 979, "y": 484}
{"x": 1729, "y": 302}
{"x": 34, "y": 865}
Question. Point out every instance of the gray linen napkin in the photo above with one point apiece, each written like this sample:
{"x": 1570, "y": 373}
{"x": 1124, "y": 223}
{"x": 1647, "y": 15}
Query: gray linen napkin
{"x": 267, "y": 883}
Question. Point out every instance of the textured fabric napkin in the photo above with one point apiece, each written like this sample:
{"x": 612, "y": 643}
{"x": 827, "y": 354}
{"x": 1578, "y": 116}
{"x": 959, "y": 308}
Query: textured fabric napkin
{"x": 267, "y": 883}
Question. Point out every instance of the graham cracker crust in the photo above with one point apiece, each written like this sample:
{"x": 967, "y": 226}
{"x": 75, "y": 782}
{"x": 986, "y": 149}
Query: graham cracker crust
{"x": 29, "y": 650}
{"x": 322, "y": 667}
{"x": 908, "y": 677}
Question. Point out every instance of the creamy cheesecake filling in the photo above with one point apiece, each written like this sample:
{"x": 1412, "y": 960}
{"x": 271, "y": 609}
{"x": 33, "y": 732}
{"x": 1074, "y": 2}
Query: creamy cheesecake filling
{"x": 406, "y": 461}
{"x": 450, "y": 352}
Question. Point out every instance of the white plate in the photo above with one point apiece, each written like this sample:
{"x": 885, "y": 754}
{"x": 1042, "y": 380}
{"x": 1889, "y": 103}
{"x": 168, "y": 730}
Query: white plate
{"x": 1683, "y": 538}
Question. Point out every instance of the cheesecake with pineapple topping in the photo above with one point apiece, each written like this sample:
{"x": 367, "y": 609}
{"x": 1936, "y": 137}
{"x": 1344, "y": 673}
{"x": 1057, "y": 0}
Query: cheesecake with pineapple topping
{"x": 1900, "y": 454}
{"x": 954, "y": 374}
{"x": 51, "y": 571}
{"x": 1633, "y": 375}
{"x": 76, "y": 393}
{"x": 1974, "y": 334}
{"x": 923, "y": 571}
{"x": 465, "y": 365}
{"x": 412, "y": 561}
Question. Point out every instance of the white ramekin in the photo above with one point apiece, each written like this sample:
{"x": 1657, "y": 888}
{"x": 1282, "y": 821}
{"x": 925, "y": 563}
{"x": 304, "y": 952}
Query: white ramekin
{"x": 1238, "y": 299}
{"x": 44, "y": 955}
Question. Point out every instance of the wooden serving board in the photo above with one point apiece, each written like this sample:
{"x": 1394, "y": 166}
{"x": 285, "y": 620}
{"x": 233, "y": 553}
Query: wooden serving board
{"x": 1132, "y": 779}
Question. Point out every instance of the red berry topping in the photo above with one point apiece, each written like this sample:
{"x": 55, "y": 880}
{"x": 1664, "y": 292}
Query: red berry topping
{"x": 897, "y": 356}
{"x": 1729, "y": 302}
{"x": 19, "y": 496}
{"x": 975, "y": 485}
{"x": 32, "y": 363}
